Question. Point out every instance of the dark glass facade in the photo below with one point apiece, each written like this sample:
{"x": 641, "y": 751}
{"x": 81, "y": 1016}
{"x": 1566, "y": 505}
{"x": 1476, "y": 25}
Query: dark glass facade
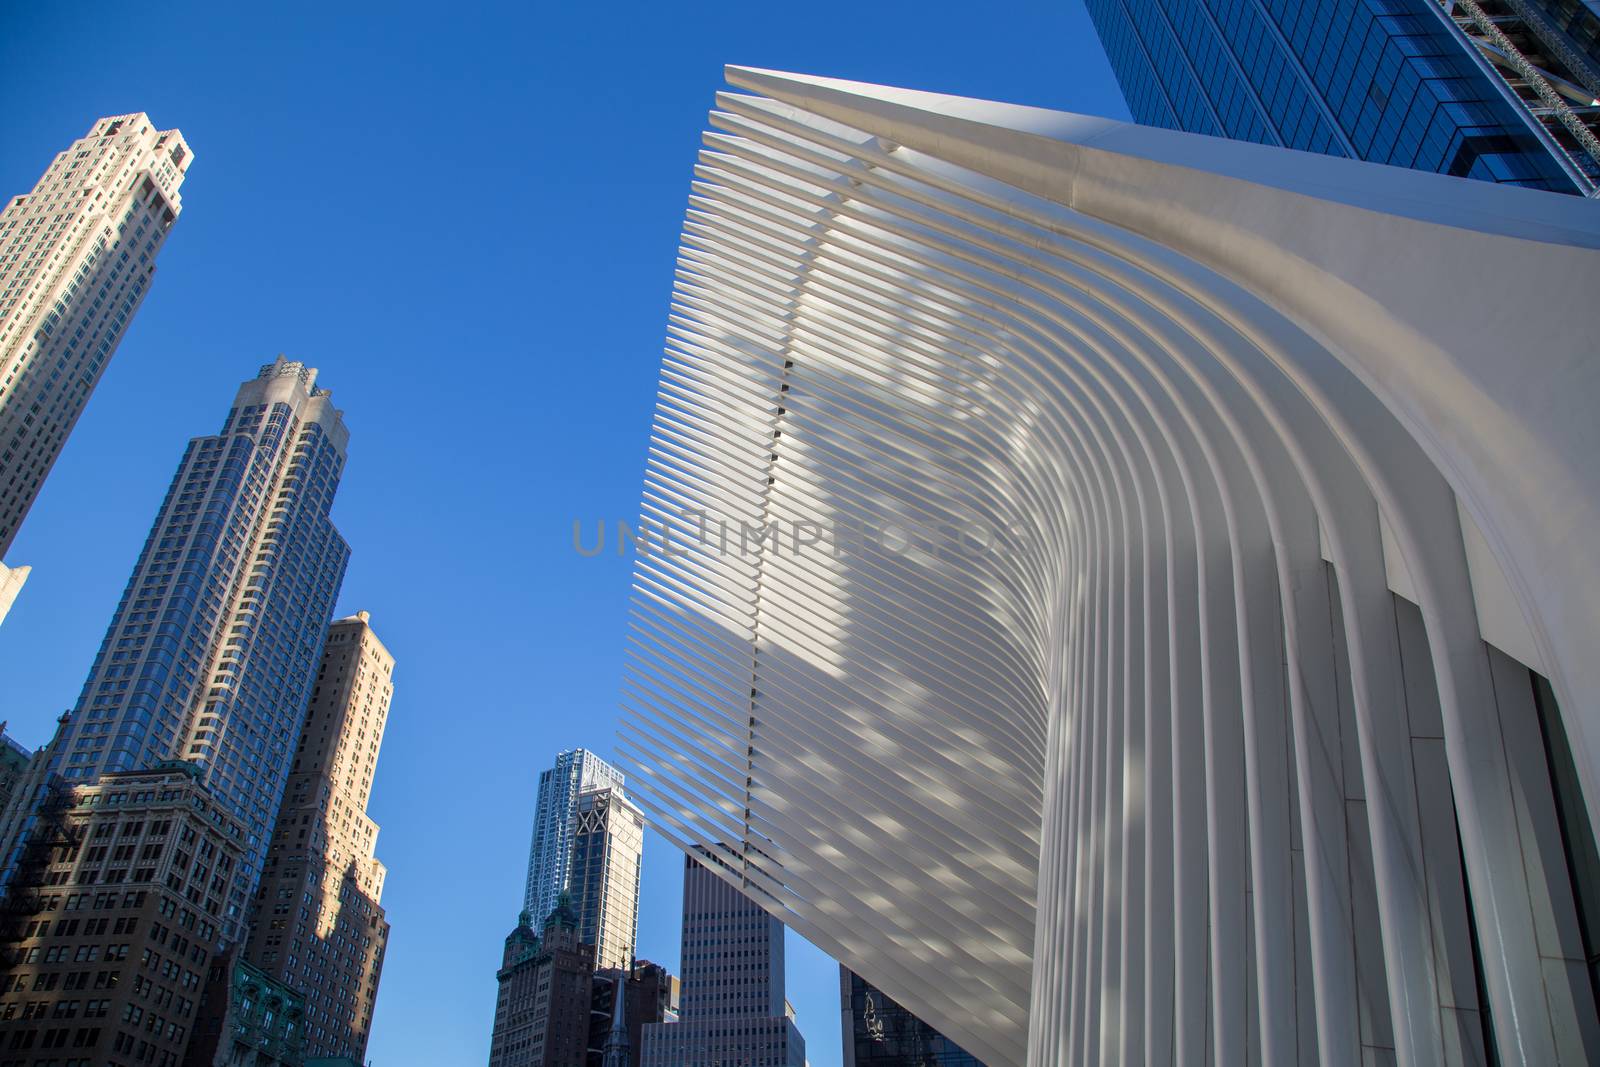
{"x": 1388, "y": 81}
{"x": 1577, "y": 22}
{"x": 881, "y": 1033}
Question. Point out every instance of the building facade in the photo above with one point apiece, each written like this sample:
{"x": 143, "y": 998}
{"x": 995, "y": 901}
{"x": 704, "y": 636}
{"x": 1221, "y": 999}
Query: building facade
{"x": 114, "y": 919}
{"x": 1228, "y": 693}
{"x": 649, "y": 995}
{"x": 603, "y": 877}
{"x": 732, "y": 1007}
{"x": 1473, "y": 88}
{"x": 246, "y": 1018}
{"x": 318, "y": 923}
{"x": 20, "y": 815}
{"x": 212, "y": 651}
{"x": 879, "y": 1032}
{"x": 545, "y": 997}
{"x": 77, "y": 255}
{"x": 14, "y": 760}
{"x": 555, "y": 821}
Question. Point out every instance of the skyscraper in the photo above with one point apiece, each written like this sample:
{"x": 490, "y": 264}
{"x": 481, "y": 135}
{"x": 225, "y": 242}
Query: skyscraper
{"x": 732, "y": 1007}
{"x": 1489, "y": 89}
{"x": 880, "y": 1032}
{"x": 76, "y": 258}
{"x": 1243, "y": 706}
{"x": 544, "y": 996}
{"x": 211, "y": 653}
{"x": 554, "y": 822}
{"x": 318, "y": 924}
{"x": 607, "y": 849}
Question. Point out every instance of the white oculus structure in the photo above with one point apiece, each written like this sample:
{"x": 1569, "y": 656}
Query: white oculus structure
{"x": 1268, "y": 730}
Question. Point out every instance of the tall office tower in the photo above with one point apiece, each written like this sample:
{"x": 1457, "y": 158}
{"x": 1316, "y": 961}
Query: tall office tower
{"x": 880, "y": 1032}
{"x": 544, "y": 996}
{"x": 318, "y": 924}
{"x": 554, "y": 821}
{"x": 127, "y": 884}
{"x": 731, "y": 1007}
{"x": 76, "y": 258}
{"x": 1238, "y": 701}
{"x": 211, "y": 654}
{"x": 1475, "y": 88}
{"x": 607, "y": 849}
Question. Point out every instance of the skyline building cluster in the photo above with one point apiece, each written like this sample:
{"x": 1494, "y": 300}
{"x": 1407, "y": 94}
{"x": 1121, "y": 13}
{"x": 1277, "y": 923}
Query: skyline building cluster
{"x": 187, "y": 869}
{"x": 555, "y": 1008}
{"x": 557, "y": 1002}
{"x": 222, "y": 686}
{"x": 555, "y": 825}
{"x": 570, "y": 991}
{"x": 211, "y": 654}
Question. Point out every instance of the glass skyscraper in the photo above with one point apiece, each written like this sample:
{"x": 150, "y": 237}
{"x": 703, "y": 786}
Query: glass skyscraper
{"x": 603, "y": 876}
{"x": 1502, "y": 96}
{"x": 213, "y": 649}
{"x": 555, "y": 822}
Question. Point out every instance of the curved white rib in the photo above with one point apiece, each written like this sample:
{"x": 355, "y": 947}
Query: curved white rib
{"x": 1150, "y": 774}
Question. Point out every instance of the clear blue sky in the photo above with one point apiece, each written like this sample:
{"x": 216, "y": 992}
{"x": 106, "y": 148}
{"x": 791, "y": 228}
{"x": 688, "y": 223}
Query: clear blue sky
{"x": 467, "y": 219}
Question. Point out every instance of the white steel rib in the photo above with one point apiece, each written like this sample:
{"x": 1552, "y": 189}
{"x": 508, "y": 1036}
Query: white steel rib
{"x": 1252, "y": 499}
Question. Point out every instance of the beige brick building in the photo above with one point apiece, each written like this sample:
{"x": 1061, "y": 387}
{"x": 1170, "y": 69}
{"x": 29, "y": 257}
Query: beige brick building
{"x": 318, "y": 924}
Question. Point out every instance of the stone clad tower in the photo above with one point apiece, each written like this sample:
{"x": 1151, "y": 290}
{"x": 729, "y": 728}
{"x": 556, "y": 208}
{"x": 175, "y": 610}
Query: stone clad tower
{"x": 318, "y": 924}
{"x": 77, "y": 255}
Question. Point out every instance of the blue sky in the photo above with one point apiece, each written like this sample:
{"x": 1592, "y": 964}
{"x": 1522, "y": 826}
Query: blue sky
{"x": 466, "y": 218}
